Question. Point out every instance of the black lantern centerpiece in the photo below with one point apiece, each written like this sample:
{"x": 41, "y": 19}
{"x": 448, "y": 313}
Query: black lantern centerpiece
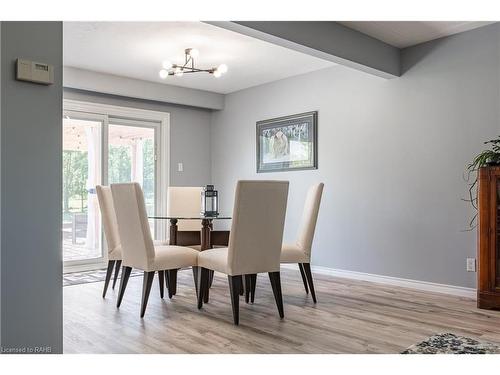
{"x": 209, "y": 201}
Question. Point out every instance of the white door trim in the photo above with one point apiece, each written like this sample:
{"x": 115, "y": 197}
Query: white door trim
{"x": 114, "y": 110}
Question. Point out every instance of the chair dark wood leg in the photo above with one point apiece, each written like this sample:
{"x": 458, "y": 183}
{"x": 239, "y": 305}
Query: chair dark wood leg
{"x": 117, "y": 271}
{"x": 242, "y": 286}
{"x": 203, "y": 279}
{"x": 234, "y": 288}
{"x": 275, "y": 279}
{"x": 195, "y": 277}
{"x": 206, "y": 291}
{"x": 211, "y": 279}
{"x": 161, "y": 279}
{"x": 304, "y": 280}
{"x": 146, "y": 288}
{"x": 123, "y": 284}
{"x": 307, "y": 271}
{"x": 166, "y": 280}
{"x": 109, "y": 272}
{"x": 172, "y": 281}
{"x": 253, "y": 283}
{"x": 169, "y": 284}
{"x": 248, "y": 287}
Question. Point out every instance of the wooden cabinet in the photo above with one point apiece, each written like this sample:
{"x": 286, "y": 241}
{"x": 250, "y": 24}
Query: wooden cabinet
{"x": 488, "y": 276}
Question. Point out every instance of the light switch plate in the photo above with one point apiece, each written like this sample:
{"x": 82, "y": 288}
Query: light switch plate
{"x": 180, "y": 167}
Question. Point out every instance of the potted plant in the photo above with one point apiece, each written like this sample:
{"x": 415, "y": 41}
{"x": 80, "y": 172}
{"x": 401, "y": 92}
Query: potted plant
{"x": 490, "y": 157}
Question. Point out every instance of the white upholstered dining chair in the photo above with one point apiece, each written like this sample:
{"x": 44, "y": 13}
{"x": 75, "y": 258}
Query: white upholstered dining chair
{"x": 111, "y": 233}
{"x": 254, "y": 243}
{"x": 138, "y": 250}
{"x": 300, "y": 251}
{"x": 185, "y": 201}
{"x": 110, "y": 225}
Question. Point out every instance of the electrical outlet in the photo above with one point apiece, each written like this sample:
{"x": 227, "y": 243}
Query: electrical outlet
{"x": 471, "y": 264}
{"x": 180, "y": 167}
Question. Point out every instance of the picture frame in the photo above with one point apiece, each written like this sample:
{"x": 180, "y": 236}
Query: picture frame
{"x": 288, "y": 143}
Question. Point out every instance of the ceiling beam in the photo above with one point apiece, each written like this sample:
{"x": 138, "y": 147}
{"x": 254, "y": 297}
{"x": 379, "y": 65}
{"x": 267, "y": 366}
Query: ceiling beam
{"x": 327, "y": 40}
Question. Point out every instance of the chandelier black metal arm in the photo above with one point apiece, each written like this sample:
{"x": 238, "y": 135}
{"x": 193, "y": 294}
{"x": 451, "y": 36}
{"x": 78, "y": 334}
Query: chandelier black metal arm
{"x": 190, "y": 70}
{"x": 189, "y": 67}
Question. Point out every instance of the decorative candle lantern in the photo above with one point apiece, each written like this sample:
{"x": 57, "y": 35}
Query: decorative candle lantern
{"x": 209, "y": 201}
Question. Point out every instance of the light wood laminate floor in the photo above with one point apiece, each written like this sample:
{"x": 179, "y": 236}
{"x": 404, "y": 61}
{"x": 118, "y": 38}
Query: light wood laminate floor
{"x": 350, "y": 317}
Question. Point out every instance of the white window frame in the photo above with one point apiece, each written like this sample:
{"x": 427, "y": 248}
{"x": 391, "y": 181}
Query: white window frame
{"x": 163, "y": 167}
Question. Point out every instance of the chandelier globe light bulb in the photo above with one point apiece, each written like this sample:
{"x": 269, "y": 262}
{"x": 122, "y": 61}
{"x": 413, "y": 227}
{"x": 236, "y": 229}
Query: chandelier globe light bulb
{"x": 163, "y": 74}
{"x": 222, "y": 68}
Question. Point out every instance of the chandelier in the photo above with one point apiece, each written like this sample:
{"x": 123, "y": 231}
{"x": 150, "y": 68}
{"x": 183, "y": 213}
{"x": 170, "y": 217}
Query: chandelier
{"x": 178, "y": 70}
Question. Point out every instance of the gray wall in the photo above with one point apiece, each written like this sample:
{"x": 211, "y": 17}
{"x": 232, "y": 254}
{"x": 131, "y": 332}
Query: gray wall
{"x": 110, "y": 84}
{"x": 391, "y": 154}
{"x": 189, "y": 134}
{"x": 1, "y": 64}
{"x": 30, "y": 252}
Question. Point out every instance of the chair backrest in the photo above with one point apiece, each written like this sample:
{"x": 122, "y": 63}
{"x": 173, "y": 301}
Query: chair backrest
{"x": 309, "y": 218}
{"x": 135, "y": 235}
{"x": 108, "y": 217}
{"x": 185, "y": 201}
{"x": 257, "y": 227}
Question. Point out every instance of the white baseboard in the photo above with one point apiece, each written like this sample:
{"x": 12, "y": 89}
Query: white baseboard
{"x": 389, "y": 280}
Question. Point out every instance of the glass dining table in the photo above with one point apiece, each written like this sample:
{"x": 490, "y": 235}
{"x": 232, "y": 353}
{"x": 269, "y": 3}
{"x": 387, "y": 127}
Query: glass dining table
{"x": 206, "y": 237}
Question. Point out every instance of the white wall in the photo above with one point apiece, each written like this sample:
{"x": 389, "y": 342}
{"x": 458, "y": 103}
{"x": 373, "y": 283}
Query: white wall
{"x": 391, "y": 154}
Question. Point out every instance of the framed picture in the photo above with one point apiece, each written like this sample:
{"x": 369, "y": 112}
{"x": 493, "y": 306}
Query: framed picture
{"x": 288, "y": 143}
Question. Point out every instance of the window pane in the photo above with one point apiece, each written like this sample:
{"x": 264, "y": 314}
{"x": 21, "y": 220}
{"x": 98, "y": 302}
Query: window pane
{"x": 81, "y": 229}
{"x": 132, "y": 158}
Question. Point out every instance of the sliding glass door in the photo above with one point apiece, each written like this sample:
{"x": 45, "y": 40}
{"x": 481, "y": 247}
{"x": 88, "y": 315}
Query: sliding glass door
{"x": 100, "y": 149}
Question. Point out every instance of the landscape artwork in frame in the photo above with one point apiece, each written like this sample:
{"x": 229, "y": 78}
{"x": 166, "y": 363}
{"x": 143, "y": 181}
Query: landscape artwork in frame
{"x": 288, "y": 143}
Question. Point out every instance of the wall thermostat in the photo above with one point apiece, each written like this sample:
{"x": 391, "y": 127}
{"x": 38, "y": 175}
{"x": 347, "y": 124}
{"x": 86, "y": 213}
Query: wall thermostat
{"x": 36, "y": 72}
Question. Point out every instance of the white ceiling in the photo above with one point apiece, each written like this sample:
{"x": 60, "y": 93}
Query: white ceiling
{"x": 403, "y": 34}
{"x": 136, "y": 50}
